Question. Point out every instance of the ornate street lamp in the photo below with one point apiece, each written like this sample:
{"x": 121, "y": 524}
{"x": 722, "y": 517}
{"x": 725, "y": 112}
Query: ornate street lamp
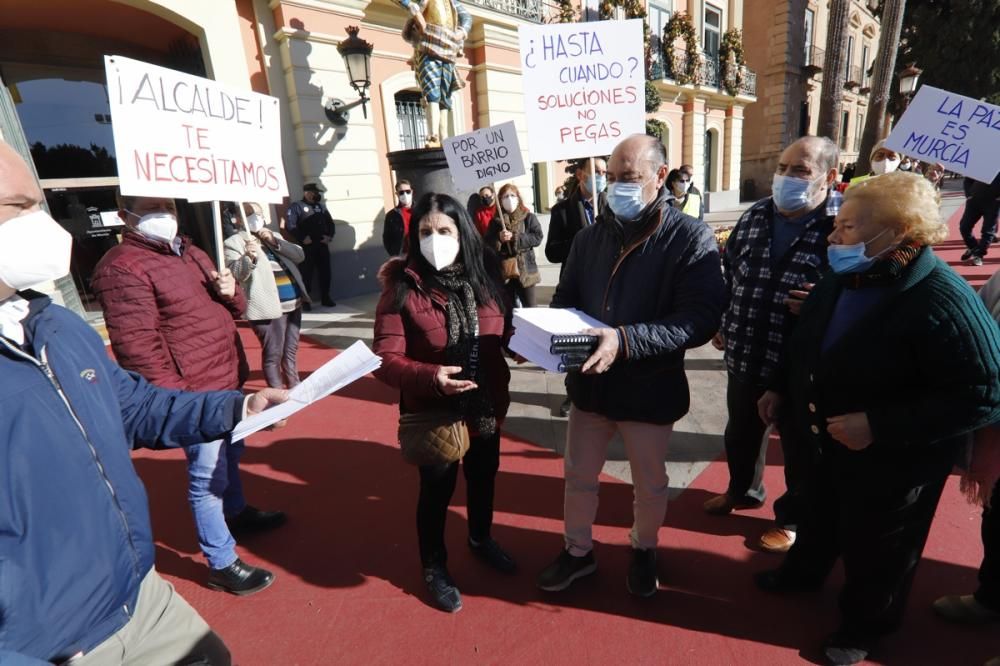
{"x": 908, "y": 83}
{"x": 357, "y": 55}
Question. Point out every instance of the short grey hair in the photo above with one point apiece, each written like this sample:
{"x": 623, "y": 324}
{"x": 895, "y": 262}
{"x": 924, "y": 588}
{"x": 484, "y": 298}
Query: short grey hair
{"x": 828, "y": 156}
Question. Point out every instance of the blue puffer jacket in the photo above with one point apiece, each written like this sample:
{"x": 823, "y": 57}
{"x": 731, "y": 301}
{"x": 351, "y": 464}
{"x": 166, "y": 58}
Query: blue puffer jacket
{"x": 658, "y": 281}
{"x": 75, "y": 539}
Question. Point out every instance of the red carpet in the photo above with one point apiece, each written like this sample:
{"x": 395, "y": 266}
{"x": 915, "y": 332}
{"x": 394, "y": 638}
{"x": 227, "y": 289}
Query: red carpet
{"x": 349, "y": 590}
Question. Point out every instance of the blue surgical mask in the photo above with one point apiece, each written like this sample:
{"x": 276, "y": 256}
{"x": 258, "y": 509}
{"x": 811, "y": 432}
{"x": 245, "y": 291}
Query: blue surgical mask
{"x": 852, "y": 258}
{"x": 790, "y": 193}
{"x": 625, "y": 200}
{"x": 602, "y": 183}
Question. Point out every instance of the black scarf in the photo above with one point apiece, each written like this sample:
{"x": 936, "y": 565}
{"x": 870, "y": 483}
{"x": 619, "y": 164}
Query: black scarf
{"x": 462, "y": 319}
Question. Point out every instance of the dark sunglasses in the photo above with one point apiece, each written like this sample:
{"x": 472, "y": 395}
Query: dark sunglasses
{"x": 402, "y": 192}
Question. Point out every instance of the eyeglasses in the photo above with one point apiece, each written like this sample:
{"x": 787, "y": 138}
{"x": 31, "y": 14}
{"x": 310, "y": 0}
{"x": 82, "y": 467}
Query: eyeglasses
{"x": 402, "y": 192}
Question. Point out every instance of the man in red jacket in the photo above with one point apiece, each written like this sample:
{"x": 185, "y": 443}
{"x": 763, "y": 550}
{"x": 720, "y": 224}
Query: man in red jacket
{"x": 169, "y": 315}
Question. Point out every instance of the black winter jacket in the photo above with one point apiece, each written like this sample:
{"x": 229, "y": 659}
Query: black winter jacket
{"x": 658, "y": 281}
{"x": 566, "y": 219}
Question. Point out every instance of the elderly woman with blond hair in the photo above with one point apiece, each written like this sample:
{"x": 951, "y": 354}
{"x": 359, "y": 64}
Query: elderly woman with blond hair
{"x": 893, "y": 361}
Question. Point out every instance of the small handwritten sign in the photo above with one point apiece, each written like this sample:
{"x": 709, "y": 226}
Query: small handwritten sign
{"x": 961, "y": 133}
{"x": 484, "y": 156}
{"x": 584, "y": 87}
{"x": 184, "y": 136}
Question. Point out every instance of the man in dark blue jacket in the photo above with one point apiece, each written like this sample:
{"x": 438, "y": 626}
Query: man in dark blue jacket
{"x": 653, "y": 276}
{"x": 76, "y": 550}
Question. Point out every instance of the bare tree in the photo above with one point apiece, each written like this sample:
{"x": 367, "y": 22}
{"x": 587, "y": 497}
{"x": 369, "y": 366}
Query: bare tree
{"x": 884, "y": 71}
{"x": 834, "y": 73}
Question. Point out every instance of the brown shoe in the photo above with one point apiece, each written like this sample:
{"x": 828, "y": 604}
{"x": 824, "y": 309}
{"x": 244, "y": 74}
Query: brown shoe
{"x": 777, "y": 540}
{"x": 721, "y": 505}
{"x": 964, "y": 609}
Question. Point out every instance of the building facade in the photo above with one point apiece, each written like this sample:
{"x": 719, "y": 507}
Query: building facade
{"x": 703, "y": 122}
{"x": 54, "y": 104}
{"x": 785, "y": 43}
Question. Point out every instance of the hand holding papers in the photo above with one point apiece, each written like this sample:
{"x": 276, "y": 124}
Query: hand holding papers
{"x": 552, "y": 337}
{"x": 351, "y": 364}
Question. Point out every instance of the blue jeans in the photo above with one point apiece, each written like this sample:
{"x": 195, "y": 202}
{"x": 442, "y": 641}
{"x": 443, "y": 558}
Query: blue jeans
{"x": 215, "y": 491}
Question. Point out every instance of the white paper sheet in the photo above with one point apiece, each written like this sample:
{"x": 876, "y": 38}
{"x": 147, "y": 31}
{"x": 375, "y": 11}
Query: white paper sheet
{"x": 351, "y": 364}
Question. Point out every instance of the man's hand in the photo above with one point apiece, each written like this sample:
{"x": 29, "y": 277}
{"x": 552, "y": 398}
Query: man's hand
{"x": 448, "y": 386}
{"x": 852, "y": 430}
{"x": 505, "y": 236}
{"x": 264, "y": 398}
{"x": 325, "y": 239}
{"x": 267, "y": 236}
{"x": 769, "y": 406}
{"x": 307, "y": 241}
{"x": 606, "y": 353}
{"x": 797, "y": 296}
{"x": 252, "y": 248}
{"x": 224, "y": 283}
{"x": 719, "y": 342}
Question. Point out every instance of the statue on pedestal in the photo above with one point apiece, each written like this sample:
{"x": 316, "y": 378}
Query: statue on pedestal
{"x": 437, "y": 29}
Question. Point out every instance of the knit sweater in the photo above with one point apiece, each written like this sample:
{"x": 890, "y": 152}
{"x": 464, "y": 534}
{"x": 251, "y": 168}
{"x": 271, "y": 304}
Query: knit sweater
{"x": 923, "y": 365}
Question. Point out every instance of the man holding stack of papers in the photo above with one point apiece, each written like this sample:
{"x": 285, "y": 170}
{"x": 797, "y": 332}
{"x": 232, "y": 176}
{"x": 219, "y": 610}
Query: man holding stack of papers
{"x": 653, "y": 276}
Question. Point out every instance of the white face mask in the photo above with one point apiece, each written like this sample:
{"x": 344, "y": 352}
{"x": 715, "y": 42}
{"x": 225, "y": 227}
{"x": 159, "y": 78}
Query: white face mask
{"x": 254, "y": 223}
{"x": 33, "y": 249}
{"x": 405, "y": 199}
{"x": 157, "y": 226}
{"x": 440, "y": 250}
{"x": 884, "y": 166}
{"x": 510, "y": 203}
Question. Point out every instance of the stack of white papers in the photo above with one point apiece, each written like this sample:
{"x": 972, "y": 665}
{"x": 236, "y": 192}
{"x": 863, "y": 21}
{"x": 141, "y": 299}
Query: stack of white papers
{"x": 349, "y": 365}
{"x": 534, "y": 328}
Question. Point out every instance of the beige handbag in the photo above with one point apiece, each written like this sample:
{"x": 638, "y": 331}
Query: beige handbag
{"x": 433, "y": 438}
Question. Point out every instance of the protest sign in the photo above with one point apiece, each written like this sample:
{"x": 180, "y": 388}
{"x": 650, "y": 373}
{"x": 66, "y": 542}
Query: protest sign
{"x": 484, "y": 156}
{"x": 584, "y": 87}
{"x": 183, "y": 136}
{"x": 961, "y": 133}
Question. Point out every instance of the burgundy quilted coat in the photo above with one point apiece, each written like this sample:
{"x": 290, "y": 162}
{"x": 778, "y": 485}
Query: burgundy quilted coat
{"x": 164, "y": 318}
{"x": 412, "y": 341}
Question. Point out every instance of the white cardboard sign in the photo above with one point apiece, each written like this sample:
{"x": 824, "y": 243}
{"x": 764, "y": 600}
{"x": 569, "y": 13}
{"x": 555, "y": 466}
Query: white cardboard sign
{"x": 484, "y": 156}
{"x": 183, "y": 136}
{"x": 961, "y": 133}
{"x": 584, "y": 87}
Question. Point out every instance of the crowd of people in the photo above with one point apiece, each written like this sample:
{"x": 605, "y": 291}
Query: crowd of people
{"x": 841, "y": 330}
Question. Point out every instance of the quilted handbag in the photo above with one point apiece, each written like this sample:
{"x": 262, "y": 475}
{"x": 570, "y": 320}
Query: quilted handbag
{"x": 433, "y": 438}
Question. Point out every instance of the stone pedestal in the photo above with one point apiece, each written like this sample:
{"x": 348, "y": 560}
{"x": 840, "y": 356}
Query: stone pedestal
{"x": 427, "y": 171}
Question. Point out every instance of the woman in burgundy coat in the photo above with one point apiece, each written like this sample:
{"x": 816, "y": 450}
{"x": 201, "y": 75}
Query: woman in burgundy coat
{"x": 441, "y": 327}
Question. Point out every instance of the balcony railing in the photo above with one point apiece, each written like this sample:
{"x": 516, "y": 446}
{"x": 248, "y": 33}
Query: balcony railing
{"x": 707, "y": 73}
{"x": 536, "y": 11}
{"x": 853, "y": 78}
{"x": 812, "y": 61}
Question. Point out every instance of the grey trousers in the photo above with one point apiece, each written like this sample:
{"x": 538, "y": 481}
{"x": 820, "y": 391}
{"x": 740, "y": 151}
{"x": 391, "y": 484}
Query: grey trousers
{"x": 279, "y": 340}
{"x": 163, "y": 630}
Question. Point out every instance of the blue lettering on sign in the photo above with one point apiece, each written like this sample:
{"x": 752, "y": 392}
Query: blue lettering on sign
{"x": 572, "y": 45}
{"x": 927, "y": 146}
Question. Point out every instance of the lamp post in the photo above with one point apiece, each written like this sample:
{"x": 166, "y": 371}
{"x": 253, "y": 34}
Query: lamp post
{"x": 357, "y": 55}
{"x": 908, "y": 83}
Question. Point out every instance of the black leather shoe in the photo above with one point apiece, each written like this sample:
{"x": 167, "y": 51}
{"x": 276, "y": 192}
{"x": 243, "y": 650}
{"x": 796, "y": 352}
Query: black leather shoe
{"x": 442, "y": 588}
{"x": 252, "y": 519}
{"x": 641, "y": 580}
{"x": 845, "y": 648}
{"x": 240, "y": 578}
{"x": 490, "y": 552}
{"x": 329, "y": 303}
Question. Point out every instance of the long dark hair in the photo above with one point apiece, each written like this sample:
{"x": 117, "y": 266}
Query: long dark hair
{"x": 482, "y": 267}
